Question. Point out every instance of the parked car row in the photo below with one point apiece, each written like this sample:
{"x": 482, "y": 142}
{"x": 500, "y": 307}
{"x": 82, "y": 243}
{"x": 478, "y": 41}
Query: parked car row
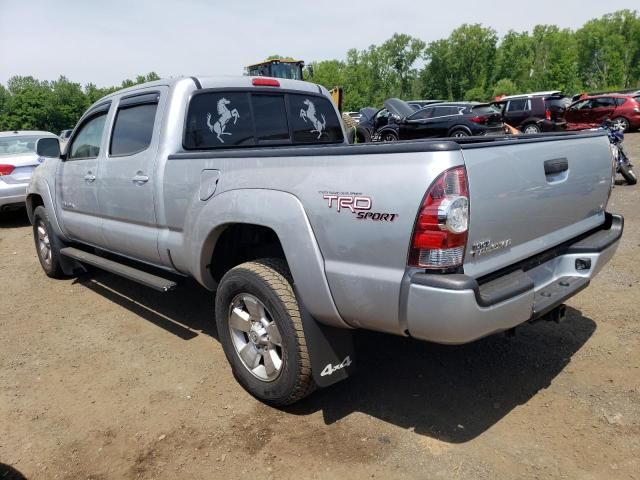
{"x": 400, "y": 121}
{"x": 530, "y": 113}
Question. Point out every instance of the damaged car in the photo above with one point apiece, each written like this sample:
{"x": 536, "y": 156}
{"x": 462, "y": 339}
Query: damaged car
{"x": 399, "y": 121}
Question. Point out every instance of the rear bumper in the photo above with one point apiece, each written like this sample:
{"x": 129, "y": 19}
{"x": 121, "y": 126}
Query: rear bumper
{"x": 456, "y": 308}
{"x": 12, "y": 194}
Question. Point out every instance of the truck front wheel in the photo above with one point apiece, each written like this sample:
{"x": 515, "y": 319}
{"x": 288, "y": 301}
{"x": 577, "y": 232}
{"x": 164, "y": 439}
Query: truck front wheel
{"x": 47, "y": 244}
{"x": 260, "y": 330}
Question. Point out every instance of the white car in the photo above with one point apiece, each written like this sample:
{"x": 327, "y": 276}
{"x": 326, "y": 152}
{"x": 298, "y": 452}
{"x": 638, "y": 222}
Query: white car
{"x": 18, "y": 159}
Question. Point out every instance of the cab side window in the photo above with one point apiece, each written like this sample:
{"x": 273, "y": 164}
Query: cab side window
{"x": 133, "y": 126}
{"x": 86, "y": 144}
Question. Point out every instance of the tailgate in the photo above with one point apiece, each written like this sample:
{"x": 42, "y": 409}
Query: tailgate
{"x": 528, "y": 195}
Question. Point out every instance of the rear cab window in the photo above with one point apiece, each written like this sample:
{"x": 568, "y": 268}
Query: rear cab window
{"x": 232, "y": 119}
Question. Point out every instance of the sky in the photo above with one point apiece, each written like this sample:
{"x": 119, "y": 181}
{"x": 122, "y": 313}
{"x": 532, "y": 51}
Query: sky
{"x": 106, "y": 41}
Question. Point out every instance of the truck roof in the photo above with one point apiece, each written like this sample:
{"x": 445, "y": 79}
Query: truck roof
{"x": 220, "y": 81}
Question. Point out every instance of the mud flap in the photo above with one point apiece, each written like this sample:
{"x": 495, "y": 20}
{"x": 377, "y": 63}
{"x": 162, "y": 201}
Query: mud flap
{"x": 331, "y": 350}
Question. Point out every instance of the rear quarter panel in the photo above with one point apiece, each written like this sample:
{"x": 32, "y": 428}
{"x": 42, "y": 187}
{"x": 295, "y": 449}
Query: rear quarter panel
{"x": 364, "y": 260}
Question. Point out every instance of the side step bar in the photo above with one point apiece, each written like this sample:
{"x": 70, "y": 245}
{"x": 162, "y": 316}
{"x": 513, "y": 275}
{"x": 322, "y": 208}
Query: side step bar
{"x": 144, "y": 278}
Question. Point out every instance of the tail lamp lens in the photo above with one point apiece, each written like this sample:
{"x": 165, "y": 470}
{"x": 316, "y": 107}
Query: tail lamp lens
{"x": 6, "y": 169}
{"x": 440, "y": 232}
{"x": 547, "y": 114}
{"x": 479, "y": 119}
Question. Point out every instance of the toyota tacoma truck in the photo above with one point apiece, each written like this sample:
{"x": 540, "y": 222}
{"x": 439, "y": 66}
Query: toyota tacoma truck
{"x": 248, "y": 185}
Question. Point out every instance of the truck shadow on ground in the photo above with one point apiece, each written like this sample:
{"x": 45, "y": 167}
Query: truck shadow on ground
{"x": 9, "y": 473}
{"x": 185, "y": 312}
{"x": 451, "y": 393}
{"x": 14, "y": 219}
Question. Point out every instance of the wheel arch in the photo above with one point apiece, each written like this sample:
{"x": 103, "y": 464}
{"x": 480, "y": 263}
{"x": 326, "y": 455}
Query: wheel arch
{"x": 39, "y": 193}
{"x": 274, "y": 215}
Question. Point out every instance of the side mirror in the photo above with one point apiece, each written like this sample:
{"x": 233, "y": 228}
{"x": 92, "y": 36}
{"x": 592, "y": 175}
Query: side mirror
{"x": 48, "y": 147}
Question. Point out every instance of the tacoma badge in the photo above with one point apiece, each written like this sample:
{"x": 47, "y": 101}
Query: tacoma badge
{"x": 485, "y": 247}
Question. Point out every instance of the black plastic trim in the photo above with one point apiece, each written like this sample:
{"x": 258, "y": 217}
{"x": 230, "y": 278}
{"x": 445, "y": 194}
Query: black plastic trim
{"x": 600, "y": 240}
{"x": 197, "y": 82}
{"x": 487, "y": 294}
{"x": 139, "y": 99}
{"x": 321, "y": 150}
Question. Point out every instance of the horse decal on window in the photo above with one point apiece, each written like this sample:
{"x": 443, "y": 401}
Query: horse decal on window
{"x": 310, "y": 114}
{"x": 225, "y": 115}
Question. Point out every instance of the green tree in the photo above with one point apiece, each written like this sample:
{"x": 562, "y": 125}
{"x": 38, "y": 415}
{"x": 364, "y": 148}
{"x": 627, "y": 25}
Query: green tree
{"x": 504, "y": 86}
{"x": 514, "y": 59}
{"x": 476, "y": 94}
{"x": 401, "y": 52}
{"x": 555, "y": 64}
{"x": 609, "y": 51}
{"x": 461, "y": 62}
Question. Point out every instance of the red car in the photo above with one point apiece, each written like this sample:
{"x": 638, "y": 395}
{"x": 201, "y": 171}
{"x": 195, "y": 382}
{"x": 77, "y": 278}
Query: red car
{"x": 592, "y": 111}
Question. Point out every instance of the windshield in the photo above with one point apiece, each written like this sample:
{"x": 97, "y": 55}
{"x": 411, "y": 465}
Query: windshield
{"x": 286, "y": 70}
{"x": 17, "y": 145}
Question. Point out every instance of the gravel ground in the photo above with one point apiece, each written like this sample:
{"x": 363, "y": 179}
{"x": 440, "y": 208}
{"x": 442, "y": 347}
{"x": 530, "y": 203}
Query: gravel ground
{"x": 103, "y": 379}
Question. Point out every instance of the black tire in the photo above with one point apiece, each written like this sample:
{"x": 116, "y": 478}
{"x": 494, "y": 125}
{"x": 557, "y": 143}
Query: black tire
{"x": 269, "y": 281}
{"x": 363, "y": 135}
{"x": 459, "y": 133}
{"x": 622, "y": 122}
{"x": 49, "y": 258}
{"x": 531, "y": 129}
{"x": 388, "y": 137}
{"x": 628, "y": 174}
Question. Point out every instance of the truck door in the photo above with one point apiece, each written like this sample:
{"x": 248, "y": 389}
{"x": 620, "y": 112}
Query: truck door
{"x": 76, "y": 178}
{"x": 126, "y": 183}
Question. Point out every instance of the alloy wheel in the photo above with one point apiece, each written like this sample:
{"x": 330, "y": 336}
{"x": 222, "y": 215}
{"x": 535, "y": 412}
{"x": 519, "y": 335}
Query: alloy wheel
{"x": 256, "y": 337}
{"x": 44, "y": 244}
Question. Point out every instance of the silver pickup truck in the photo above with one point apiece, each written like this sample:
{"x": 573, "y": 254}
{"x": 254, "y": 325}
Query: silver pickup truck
{"x": 248, "y": 186}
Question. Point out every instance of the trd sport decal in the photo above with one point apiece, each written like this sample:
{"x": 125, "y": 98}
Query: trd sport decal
{"x": 356, "y": 203}
{"x": 225, "y": 115}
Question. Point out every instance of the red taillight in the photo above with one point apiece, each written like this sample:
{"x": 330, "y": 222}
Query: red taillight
{"x": 265, "y": 82}
{"x": 440, "y": 232}
{"x": 479, "y": 119}
{"x": 6, "y": 169}
{"x": 547, "y": 114}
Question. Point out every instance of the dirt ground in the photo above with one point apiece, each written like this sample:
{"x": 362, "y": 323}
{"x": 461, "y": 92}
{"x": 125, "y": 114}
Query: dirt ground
{"x": 103, "y": 379}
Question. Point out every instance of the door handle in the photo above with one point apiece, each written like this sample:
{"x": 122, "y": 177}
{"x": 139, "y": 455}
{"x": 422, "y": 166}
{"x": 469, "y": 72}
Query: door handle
{"x": 140, "y": 178}
{"x": 557, "y": 165}
{"x": 90, "y": 178}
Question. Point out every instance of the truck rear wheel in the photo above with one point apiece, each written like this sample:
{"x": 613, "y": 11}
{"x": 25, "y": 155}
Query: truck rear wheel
{"x": 260, "y": 329}
{"x": 47, "y": 244}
